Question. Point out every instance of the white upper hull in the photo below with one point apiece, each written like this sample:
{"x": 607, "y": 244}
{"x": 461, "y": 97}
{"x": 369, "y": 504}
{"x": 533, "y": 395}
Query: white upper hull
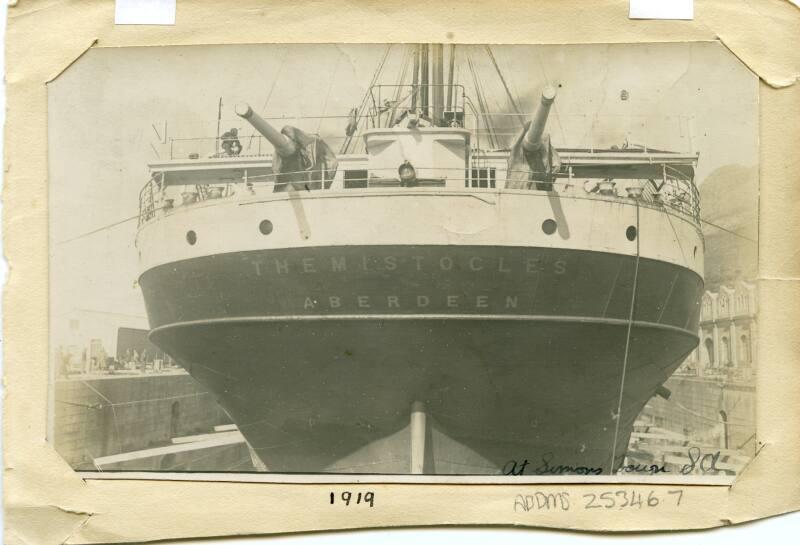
{"x": 422, "y": 216}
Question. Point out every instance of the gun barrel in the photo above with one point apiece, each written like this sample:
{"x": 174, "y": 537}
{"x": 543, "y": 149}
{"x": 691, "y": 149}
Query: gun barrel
{"x": 533, "y": 138}
{"x": 283, "y": 146}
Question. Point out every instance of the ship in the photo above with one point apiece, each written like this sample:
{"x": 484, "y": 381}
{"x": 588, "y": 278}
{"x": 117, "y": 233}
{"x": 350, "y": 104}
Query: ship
{"x": 425, "y": 301}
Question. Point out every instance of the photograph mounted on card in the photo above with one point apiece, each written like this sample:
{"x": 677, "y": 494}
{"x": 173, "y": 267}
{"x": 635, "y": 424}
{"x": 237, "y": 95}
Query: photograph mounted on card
{"x": 405, "y": 262}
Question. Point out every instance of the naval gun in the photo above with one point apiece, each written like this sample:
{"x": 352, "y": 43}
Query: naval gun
{"x": 533, "y": 162}
{"x": 532, "y": 141}
{"x": 283, "y": 145}
{"x": 301, "y": 161}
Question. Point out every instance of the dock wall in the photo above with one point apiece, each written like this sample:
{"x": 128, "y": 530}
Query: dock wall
{"x": 710, "y": 411}
{"x": 96, "y": 417}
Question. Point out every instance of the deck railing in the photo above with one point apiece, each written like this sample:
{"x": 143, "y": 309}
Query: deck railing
{"x": 214, "y": 148}
{"x": 147, "y": 197}
{"x": 672, "y": 193}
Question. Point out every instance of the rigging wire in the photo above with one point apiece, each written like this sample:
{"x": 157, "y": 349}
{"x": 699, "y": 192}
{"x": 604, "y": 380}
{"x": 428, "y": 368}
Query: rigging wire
{"x": 510, "y": 96}
{"x": 734, "y": 233}
{"x": 406, "y": 62}
{"x": 481, "y": 104}
{"x": 627, "y": 343}
{"x": 113, "y": 413}
{"x": 275, "y": 79}
{"x": 98, "y": 230}
{"x": 269, "y": 95}
{"x": 468, "y": 102}
{"x": 328, "y": 94}
{"x": 365, "y": 101}
{"x": 107, "y": 312}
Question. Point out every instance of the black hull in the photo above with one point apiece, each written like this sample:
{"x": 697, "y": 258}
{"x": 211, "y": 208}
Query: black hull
{"x": 316, "y": 388}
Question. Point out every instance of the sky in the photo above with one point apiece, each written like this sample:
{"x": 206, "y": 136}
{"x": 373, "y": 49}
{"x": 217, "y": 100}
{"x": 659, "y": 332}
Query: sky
{"x": 103, "y": 109}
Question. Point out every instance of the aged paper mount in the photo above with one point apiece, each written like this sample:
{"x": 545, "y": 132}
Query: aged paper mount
{"x": 47, "y": 502}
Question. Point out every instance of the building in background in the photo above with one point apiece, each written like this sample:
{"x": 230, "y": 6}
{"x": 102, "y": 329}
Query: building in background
{"x": 710, "y": 400}
{"x": 728, "y": 332}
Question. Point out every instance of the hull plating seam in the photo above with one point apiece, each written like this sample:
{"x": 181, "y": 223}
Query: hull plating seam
{"x": 374, "y": 317}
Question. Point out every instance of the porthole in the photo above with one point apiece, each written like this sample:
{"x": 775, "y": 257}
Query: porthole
{"x": 191, "y": 237}
{"x": 265, "y": 227}
{"x": 630, "y": 232}
{"x": 549, "y": 227}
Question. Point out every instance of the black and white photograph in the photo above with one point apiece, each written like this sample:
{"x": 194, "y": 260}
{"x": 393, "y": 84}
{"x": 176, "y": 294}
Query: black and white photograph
{"x": 410, "y": 261}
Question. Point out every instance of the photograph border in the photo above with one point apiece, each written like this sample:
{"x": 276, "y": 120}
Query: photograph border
{"x": 47, "y": 502}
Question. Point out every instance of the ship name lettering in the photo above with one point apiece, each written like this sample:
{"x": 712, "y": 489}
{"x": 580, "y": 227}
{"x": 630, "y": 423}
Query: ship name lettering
{"x": 501, "y": 266}
{"x": 309, "y": 265}
{"x": 281, "y": 266}
{"x": 452, "y": 301}
{"x": 386, "y": 263}
{"x": 533, "y": 265}
{"x": 475, "y": 263}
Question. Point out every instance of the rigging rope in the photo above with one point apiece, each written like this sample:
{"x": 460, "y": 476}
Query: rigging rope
{"x": 365, "y": 101}
{"x": 481, "y": 104}
{"x": 99, "y": 229}
{"x": 510, "y": 96}
{"x": 328, "y": 94}
{"x": 406, "y": 62}
{"x": 627, "y": 344}
{"x": 721, "y": 228}
{"x": 269, "y": 95}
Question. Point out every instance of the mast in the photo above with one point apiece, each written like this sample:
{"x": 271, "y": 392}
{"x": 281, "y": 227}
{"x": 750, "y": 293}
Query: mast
{"x": 219, "y": 122}
{"x": 415, "y": 80}
{"x": 450, "y": 73}
{"x": 424, "y": 81}
{"x": 437, "y": 87}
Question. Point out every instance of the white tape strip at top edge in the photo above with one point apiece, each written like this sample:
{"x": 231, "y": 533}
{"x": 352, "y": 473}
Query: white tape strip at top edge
{"x": 661, "y": 9}
{"x": 162, "y": 12}
{"x": 144, "y": 12}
